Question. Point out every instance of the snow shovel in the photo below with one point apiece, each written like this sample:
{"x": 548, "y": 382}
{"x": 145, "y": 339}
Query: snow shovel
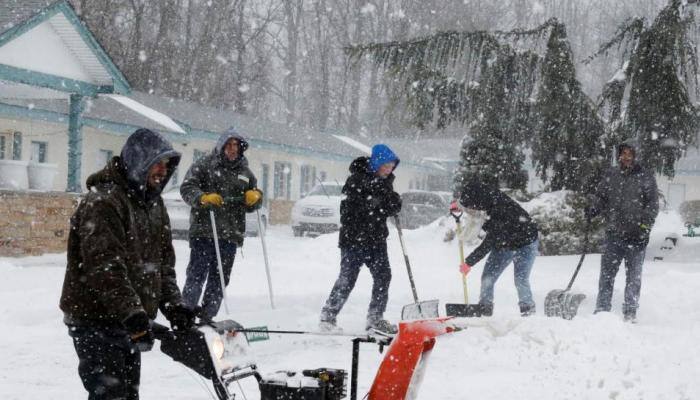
{"x": 218, "y": 260}
{"x": 420, "y": 309}
{"x": 562, "y": 303}
{"x": 261, "y": 233}
{"x": 466, "y": 309}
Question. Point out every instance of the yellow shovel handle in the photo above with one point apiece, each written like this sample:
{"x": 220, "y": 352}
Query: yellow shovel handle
{"x": 461, "y": 260}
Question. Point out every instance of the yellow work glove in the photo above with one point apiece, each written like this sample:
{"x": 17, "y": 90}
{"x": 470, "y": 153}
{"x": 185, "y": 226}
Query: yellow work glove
{"x": 252, "y": 197}
{"x": 211, "y": 199}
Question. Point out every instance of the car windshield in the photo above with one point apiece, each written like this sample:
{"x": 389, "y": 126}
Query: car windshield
{"x": 330, "y": 190}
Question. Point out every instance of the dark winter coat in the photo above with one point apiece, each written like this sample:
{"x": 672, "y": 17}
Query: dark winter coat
{"x": 369, "y": 201}
{"x": 508, "y": 226}
{"x": 214, "y": 173}
{"x": 120, "y": 254}
{"x": 629, "y": 203}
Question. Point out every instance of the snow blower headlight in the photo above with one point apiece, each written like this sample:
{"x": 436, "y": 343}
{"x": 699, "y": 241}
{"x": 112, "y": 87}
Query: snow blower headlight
{"x": 217, "y": 347}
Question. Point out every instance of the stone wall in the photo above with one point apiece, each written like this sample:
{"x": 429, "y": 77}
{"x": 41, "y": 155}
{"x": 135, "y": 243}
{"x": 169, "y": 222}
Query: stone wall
{"x": 281, "y": 211}
{"x": 33, "y": 223}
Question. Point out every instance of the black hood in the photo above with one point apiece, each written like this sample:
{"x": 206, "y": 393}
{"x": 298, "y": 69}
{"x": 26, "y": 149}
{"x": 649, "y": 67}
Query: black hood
{"x": 628, "y": 144}
{"x": 142, "y": 150}
{"x": 230, "y": 133}
{"x": 360, "y": 165}
{"x": 478, "y": 196}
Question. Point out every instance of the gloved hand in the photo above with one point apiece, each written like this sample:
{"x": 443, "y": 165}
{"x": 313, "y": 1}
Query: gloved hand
{"x": 138, "y": 326}
{"x": 253, "y": 197}
{"x": 211, "y": 199}
{"x": 464, "y": 268}
{"x": 181, "y": 317}
{"x": 645, "y": 228}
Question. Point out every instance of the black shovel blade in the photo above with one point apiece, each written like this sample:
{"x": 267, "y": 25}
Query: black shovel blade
{"x": 427, "y": 309}
{"x": 463, "y": 310}
{"x": 571, "y": 303}
{"x": 562, "y": 303}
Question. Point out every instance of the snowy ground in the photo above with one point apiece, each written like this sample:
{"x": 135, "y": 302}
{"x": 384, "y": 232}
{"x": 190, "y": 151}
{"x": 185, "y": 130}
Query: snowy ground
{"x": 502, "y": 357}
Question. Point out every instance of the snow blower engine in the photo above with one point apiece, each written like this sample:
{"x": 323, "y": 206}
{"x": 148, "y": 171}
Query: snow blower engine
{"x": 218, "y": 352}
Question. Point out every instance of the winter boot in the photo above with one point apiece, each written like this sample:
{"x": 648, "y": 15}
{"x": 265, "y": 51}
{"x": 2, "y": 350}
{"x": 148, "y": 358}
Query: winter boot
{"x": 629, "y": 314}
{"x": 329, "y": 326}
{"x": 381, "y": 325}
{"x": 485, "y": 310}
{"x": 526, "y": 310}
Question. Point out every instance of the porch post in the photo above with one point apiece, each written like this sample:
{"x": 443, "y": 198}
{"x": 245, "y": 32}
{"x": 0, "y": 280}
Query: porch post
{"x": 75, "y": 142}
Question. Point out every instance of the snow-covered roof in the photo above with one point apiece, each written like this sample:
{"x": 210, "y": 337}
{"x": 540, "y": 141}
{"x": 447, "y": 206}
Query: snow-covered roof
{"x": 47, "y": 52}
{"x": 202, "y": 121}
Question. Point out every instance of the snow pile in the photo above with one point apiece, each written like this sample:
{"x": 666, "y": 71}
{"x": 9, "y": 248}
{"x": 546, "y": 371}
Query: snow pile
{"x": 502, "y": 357}
{"x": 559, "y": 217}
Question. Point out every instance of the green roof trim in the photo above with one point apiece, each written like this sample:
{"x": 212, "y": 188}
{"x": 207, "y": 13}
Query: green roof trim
{"x": 119, "y": 83}
{"x": 32, "y": 22}
{"x": 33, "y": 78}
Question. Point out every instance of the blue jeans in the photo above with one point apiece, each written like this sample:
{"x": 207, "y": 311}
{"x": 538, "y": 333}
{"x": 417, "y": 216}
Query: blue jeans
{"x": 110, "y": 366}
{"x": 351, "y": 259}
{"x": 615, "y": 252}
{"x": 203, "y": 267}
{"x": 498, "y": 260}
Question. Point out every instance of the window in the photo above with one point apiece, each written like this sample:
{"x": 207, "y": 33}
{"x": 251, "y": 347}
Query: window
{"x": 322, "y": 176}
{"x": 265, "y": 183}
{"x": 173, "y": 179}
{"x": 197, "y": 154}
{"x": 103, "y": 157}
{"x": 17, "y": 146}
{"x": 39, "y": 152}
{"x": 10, "y": 145}
{"x": 308, "y": 176}
{"x": 283, "y": 180}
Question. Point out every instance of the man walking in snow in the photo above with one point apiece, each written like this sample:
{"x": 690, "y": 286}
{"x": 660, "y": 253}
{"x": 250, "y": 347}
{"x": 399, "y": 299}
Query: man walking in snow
{"x": 511, "y": 235}
{"x": 220, "y": 182}
{"x": 370, "y": 200}
{"x": 121, "y": 267}
{"x": 627, "y": 198}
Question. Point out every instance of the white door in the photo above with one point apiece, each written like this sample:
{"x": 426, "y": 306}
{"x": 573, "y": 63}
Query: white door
{"x": 676, "y": 195}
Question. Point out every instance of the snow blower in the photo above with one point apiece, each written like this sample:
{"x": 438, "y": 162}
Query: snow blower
{"x": 466, "y": 309}
{"x": 419, "y": 309}
{"x": 218, "y": 351}
{"x": 563, "y": 303}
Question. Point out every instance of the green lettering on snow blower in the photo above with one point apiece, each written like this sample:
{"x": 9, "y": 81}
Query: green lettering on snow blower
{"x": 259, "y": 335}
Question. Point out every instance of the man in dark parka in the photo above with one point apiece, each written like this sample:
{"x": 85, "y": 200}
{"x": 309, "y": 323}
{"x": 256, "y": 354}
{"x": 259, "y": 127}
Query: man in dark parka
{"x": 627, "y": 198}
{"x": 121, "y": 267}
{"x": 220, "y": 182}
{"x": 370, "y": 200}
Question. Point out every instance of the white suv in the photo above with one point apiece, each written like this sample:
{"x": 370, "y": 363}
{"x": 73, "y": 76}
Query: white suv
{"x": 319, "y": 210}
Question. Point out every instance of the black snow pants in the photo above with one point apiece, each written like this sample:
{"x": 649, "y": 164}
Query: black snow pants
{"x": 616, "y": 251}
{"x": 109, "y": 365}
{"x": 377, "y": 261}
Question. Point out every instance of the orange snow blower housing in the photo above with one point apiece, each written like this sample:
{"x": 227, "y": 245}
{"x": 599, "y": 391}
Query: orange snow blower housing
{"x": 401, "y": 371}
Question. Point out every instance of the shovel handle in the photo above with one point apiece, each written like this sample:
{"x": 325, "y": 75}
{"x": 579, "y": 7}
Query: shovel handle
{"x": 457, "y": 217}
{"x": 405, "y": 258}
{"x": 583, "y": 255}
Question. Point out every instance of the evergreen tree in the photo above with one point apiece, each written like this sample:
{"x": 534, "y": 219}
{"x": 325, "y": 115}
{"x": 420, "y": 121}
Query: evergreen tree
{"x": 569, "y": 132}
{"x": 495, "y": 84}
{"x": 651, "y": 99}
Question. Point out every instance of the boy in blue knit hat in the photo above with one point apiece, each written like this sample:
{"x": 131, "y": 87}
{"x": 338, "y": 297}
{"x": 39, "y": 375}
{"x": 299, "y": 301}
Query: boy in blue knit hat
{"x": 370, "y": 200}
